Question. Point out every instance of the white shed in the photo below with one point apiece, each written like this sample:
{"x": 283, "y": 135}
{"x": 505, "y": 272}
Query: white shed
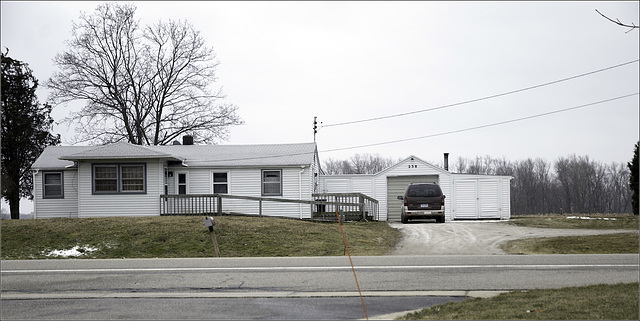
{"x": 467, "y": 196}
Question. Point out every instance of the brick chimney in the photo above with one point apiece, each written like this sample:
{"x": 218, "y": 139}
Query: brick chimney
{"x": 187, "y": 140}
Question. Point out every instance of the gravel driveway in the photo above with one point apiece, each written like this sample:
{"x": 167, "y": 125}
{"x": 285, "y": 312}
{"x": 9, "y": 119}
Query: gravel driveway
{"x": 472, "y": 237}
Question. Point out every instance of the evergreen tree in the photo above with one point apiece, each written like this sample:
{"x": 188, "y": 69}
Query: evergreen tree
{"x": 26, "y": 126}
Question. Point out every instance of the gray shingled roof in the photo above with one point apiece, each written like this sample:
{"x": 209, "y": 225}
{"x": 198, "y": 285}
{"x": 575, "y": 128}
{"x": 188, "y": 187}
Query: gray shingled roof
{"x": 50, "y": 157}
{"x": 56, "y": 157}
{"x": 242, "y": 155}
{"x": 120, "y": 150}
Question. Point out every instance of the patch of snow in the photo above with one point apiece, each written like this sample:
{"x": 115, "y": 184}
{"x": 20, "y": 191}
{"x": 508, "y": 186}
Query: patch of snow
{"x": 74, "y": 252}
{"x": 592, "y": 218}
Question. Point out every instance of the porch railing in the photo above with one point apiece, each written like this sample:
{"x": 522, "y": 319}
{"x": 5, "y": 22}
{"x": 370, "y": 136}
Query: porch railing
{"x": 350, "y": 207}
{"x": 363, "y": 207}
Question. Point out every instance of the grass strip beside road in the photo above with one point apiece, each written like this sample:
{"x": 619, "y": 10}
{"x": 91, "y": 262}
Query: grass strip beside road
{"x": 247, "y": 236}
{"x": 622, "y": 243}
{"x": 577, "y": 221}
{"x": 595, "y": 302}
{"x": 186, "y": 236}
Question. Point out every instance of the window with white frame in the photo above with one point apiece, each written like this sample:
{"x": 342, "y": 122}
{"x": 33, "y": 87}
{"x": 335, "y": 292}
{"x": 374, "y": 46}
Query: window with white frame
{"x": 220, "y": 182}
{"x": 271, "y": 182}
{"x": 52, "y": 185}
{"x": 119, "y": 178}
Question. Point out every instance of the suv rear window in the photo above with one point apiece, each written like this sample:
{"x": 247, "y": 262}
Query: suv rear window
{"x": 426, "y": 190}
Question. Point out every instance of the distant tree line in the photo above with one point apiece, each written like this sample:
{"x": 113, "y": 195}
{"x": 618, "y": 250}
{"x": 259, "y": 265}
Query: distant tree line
{"x": 573, "y": 184}
{"x": 358, "y": 164}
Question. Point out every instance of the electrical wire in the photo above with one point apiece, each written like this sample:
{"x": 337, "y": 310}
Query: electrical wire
{"x": 482, "y": 126}
{"x": 478, "y": 99}
{"x": 437, "y": 134}
{"x": 433, "y": 135}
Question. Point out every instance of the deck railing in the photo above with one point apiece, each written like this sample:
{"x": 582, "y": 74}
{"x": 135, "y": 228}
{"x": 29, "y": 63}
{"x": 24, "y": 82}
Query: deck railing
{"x": 350, "y": 207}
{"x": 364, "y": 208}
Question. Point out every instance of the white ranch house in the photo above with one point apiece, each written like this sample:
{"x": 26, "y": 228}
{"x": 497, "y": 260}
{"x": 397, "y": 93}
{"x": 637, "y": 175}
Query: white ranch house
{"x": 128, "y": 180}
{"x": 123, "y": 179}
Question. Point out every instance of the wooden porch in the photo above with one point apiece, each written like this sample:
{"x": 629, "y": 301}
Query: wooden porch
{"x": 350, "y": 206}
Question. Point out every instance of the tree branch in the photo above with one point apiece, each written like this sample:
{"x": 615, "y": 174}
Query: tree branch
{"x": 617, "y": 21}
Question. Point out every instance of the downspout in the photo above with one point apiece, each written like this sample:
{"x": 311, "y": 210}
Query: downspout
{"x": 300, "y": 189}
{"x": 35, "y": 215}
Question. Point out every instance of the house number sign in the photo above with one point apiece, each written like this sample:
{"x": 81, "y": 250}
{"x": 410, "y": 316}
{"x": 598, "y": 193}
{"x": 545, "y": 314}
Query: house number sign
{"x": 413, "y": 166}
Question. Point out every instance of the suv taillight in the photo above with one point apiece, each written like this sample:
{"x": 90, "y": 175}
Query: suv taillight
{"x": 405, "y": 201}
{"x": 442, "y": 203}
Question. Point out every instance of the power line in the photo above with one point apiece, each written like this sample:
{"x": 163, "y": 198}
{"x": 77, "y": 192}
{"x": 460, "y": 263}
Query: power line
{"x": 479, "y": 99}
{"x": 438, "y": 134}
{"x": 435, "y": 135}
{"x": 482, "y": 126}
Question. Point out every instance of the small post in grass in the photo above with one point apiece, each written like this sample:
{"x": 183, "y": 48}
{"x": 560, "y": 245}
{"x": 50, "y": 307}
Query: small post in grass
{"x": 209, "y": 222}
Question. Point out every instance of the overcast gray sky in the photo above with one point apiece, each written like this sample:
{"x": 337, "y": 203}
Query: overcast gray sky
{"x": 283, "y": 63}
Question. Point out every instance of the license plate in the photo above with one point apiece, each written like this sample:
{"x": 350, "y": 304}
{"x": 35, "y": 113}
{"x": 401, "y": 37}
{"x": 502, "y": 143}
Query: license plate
{"x": 424, "y": 205}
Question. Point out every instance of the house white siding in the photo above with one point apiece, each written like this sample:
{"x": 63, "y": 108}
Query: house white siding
{"x": 120, "y": 204}
{"x": 56, "y": 207}
{"x": 296, "y": 183}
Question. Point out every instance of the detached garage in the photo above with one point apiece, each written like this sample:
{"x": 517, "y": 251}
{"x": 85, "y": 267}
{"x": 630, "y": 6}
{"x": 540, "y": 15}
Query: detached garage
{"x": 467, "y": 196}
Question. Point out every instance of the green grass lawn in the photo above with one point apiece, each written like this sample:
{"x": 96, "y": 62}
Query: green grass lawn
{"x": 579, "y": 221}
{"x": 623, "y": 243}
{"x": 246, "y": 236}
{"x": 595, "y": 302}
{"x": 186, "y": 236}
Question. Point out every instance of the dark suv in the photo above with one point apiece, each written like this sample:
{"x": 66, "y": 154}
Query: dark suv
{"x": 422, "y": 200}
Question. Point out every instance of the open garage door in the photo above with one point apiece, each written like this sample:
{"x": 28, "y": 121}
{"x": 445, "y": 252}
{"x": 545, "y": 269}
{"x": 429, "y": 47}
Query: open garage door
{"x": 396, "y": 185}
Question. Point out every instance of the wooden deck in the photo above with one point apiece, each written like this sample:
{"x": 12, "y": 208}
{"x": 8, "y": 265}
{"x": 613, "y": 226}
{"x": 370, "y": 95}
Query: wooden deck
{"x": 350, "y": 206}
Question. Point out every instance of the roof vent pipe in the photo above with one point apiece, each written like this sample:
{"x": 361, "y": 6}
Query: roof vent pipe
{"x": 446, "y": 161}
{"x": 187, "y": 140}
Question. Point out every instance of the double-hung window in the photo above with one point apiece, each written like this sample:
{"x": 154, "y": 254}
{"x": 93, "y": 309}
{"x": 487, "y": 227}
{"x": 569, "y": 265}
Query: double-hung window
{"x": 105, "y": 179}
{"x": 132, "y": 178}
{"x": 220, "y": 183}
{"x": 119, "y": 178}
{"x": 52, "y": 185}
{"x": 271, "y": 182}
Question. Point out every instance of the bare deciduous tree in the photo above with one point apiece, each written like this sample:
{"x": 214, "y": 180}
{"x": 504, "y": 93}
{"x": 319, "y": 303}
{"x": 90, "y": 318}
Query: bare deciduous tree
{"x": 575, "y": 185}
{"x": 358, "y": 164}
{"x": 147, "y": 86}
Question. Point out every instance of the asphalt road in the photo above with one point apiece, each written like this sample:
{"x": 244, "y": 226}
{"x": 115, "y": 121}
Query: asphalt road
{"x": 283, "y": 288}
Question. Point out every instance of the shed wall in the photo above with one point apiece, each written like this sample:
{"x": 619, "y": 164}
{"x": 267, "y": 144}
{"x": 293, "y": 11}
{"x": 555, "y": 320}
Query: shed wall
{"x": 467, "y": 196}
